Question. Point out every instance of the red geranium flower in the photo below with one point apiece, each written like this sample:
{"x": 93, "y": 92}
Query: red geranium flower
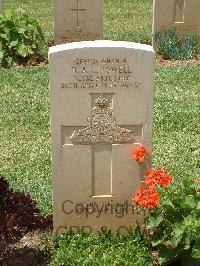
{"x": 150, "y": 182}
{"x": 148, "y": 198}
{"x": 158, "y": 176}
{"x": 139, "y": 154}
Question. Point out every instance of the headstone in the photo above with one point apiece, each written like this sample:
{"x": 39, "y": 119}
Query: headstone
{"x": 77, "y": 20}
{"x": 101, "y": 109}
{"x": 183, "y": 14}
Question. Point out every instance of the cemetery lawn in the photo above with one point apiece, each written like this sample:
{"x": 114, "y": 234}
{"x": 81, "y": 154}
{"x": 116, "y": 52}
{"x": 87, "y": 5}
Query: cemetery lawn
{"x": 25, "y": 158}
{"x": 26, "y": 161}
{"x": 119, "y": 18}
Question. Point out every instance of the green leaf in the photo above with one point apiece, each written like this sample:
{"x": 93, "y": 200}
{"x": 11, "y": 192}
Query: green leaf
{"x": 198, "y": 205}
{"x": 153, "y": 222}
{"x": 196, "y": 251}
{"x": 189, "y": 221}
{"x": 1, "y": 55}
{"x": 177, "y": 234}
{"x": 4, "y": 36}
{"x": 167, "y": 203}
{"x": 22, "y": 30}
{"x": 14, "y": 43}
{"x": 189, "y": 202}
{"x": 9, "y": 61}
{"x": 156, "y": 242}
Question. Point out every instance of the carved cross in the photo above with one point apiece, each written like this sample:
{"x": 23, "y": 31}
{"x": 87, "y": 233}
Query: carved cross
{"x": 179, "y": 9}
{"x": 77, "y": 9}
{"x": 101, "y": 134}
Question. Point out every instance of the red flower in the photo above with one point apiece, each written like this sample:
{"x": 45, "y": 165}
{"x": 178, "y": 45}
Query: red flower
{"x": 139, "y": 154}
{"x": 158, "y": 176}
{"x": 148, "y": 198}
{"x": 150, "y": 183}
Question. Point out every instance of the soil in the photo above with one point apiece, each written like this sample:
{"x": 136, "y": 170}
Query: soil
{"x": 158, "y": 62}
{"x": 22, "y": 249}
{"x": 173, "y": 63}
{"x": 24, "y": 252}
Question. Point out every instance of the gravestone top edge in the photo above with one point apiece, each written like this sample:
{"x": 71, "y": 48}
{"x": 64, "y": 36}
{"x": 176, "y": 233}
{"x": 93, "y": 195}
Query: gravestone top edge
{"x": 100, "y": 44}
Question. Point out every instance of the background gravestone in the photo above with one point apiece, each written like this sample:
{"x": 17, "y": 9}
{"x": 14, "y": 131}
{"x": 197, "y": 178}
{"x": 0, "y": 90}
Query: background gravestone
{"x": 183, "y": 14}
{"x": 77, "y": 20}
{"x": 101, "y": 109}
{"x": 1, "y": 5}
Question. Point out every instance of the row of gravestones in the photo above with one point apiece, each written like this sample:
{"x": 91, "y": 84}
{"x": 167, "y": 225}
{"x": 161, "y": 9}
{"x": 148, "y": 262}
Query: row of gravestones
{"x": 76, "y": 20}
{"x": 101, "y": 109}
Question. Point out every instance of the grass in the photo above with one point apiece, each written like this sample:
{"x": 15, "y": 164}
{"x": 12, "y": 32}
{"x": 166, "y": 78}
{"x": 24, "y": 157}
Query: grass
{"x": 130, "y": 21}
{"x": 25, "y": 133}
{"x": 25, "y": 158}
{"x": 105, "y": 249}
{"x": 176, "y": 116}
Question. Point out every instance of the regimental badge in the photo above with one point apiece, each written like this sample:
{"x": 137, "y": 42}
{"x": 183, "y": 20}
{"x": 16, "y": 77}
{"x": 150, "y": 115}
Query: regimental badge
{"x": 102, "y": 127}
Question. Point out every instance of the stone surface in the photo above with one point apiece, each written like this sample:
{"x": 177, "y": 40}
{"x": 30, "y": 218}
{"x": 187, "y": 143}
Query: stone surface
{"x": 77, "y": 20}
{"x": 101, "y": 108}
{"x": 1, "y": 5}
{"x": 183, "y": 14}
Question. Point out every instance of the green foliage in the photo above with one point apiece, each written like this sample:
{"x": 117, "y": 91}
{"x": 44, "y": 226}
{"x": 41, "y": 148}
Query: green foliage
{"x": 100, "y": 249}
{"x": 175, "y": 227}
{"x": 21, "y": 39}
{"x": 40, "y": 10}
{"x": 171, "y": 46}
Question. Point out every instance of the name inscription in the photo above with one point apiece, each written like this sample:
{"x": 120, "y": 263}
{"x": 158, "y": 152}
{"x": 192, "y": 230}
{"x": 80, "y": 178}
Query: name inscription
{"x": 92, "y": 73}
{"x": 76, "y": 35}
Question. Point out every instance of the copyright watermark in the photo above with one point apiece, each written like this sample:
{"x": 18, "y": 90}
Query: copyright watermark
{"x": 89, "y": 229}
{"x": 117, "y": 209}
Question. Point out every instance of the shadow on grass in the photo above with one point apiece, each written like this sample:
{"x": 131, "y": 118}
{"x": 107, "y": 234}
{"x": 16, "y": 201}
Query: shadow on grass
{"x": 25, "y": 256}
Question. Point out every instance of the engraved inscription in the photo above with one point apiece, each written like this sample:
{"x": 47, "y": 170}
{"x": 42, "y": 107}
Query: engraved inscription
{"x": 76, "y": 34}
{"x": 77, "y": 9}
{"x": 91, "y": 73}
{"x": 179, "y": 9}
{"x": 102, "y": 127}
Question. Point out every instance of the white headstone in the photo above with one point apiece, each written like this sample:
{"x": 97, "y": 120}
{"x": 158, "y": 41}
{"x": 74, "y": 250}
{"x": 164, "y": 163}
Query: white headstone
{"x": 183, "y": 14}
{"x": 101, "y": 109}
{"x": 77, "y": 20}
